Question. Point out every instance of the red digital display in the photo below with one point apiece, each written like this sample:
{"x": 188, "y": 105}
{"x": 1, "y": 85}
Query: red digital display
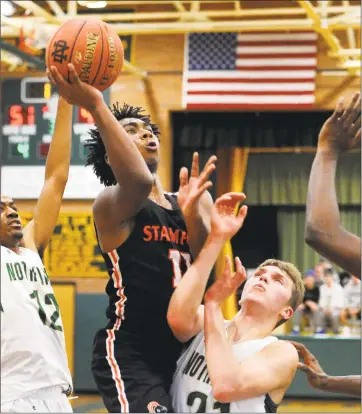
{"x": 43, "y": 149}
{"x": 84, "y": 117}
{"x": 21, "y": 115}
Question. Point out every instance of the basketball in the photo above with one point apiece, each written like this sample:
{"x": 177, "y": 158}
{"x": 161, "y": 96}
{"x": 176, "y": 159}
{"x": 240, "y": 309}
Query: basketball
{"x": 93, "y": 47}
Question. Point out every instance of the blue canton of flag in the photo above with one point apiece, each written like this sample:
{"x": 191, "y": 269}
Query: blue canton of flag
{"x": 212, "y": 51}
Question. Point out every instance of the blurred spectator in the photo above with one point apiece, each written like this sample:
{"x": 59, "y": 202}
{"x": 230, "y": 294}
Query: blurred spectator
{"x": 331, "y": 303}
{"x": 319, "y": 274}
{"x": 328, "y": 267}
{"x": 352, "y": 310}
{"x": 309, "y": 307}
{"x": 344, "y": 278}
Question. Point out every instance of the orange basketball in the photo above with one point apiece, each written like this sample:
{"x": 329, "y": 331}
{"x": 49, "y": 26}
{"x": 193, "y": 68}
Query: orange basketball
{"x": 92, "y": 46}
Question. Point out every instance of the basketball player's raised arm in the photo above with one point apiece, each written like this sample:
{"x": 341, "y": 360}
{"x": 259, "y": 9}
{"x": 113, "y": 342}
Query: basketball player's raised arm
{"x": 317, "y": 378}
{"x": 134, "y": 179}
{"x": 323, "y": 231}
{"x": 39, "y": 230}
{"x": 196, "y": 202}
{"x": 185, "y": 313}
{"x": 271, "y": 369}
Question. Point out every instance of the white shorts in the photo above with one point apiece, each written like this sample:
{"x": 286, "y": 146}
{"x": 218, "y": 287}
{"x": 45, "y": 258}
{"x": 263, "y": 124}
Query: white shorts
{"x": 46, "y": 400}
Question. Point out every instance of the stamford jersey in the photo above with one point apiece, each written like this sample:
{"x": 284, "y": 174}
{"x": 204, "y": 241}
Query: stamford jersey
{"x": 191, "y": 390}
{"x": 144, "y": 272}
{"x": 33, "y": 352}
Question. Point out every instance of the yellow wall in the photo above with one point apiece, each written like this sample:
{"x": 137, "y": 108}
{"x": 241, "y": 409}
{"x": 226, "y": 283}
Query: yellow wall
{"x": 65, "y": 295}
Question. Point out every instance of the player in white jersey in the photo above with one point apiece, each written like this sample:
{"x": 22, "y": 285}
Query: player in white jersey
{"x": 235, "y": 366}
{"x": 34, "y": 367}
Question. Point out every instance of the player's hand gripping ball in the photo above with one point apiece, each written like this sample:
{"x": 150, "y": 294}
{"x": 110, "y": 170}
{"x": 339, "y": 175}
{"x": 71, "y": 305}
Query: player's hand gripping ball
{"x": 92, "y": 46}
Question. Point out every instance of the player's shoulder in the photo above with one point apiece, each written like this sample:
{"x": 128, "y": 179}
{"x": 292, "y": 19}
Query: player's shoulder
{"x": 284, "y": 348}
{"x": 193, "y": 343}
{"x": 23, "y": 252}
{"x": 27, "y": 252}
{"x": 5, "y": 250}
{"x": 103, "y": 197}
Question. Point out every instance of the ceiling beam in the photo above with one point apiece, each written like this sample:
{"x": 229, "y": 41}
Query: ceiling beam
{"x": 346, "y": 52}
{"x": 350, "y": 32}
{"x": 267, "y": 12}
{"x": 321, "y": 26}
{"x": 237, "y": 6}
{"x": 215, "y": 26}
{"x": 57, "y": 10}
{"x": 207, "y": 26}
{"x": 348, "y": 15}
{"x": 170, "y": 2}
{"x": 134, "y": 69}
{"x": 72, "y": 7}
{"x": 323, "y": 4}
{"x": 195, "y": 6}
{"x": 179, "y": 6}
{"x": 11, "y": 60}
{"x": 352, "y": 64}
{"x": 38, "y": 63}
{"x": 37, "y": 11}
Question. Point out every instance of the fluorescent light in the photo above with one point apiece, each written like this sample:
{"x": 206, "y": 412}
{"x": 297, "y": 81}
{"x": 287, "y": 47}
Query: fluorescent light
{"x": 93, "y": 4}
{"x": 7, "y": 8}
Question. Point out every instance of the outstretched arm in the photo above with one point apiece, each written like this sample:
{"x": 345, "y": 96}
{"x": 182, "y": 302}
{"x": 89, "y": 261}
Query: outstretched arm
{"x": 324, "y": 232}
{"x": 350, "y": 384}
{"x": 39, "y": 230}
{"x": 122, "y": 201}
{"x": 271, "y": 369}
{"x": 185, "y": 313}
{"x": 317, "y": 378}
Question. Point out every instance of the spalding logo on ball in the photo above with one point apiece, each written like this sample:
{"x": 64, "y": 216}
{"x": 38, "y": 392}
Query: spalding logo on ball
{"x": 93, "y": 47}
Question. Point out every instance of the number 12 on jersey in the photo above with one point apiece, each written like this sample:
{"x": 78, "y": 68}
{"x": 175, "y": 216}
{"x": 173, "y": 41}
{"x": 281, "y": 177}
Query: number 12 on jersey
{"x": 49, "y": 299}
{"x": 176, "y": 256}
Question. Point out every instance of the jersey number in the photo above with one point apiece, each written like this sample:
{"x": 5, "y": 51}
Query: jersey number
{"x": 196, "y": 395}
{"x": 175, "y": 256}
{"x": 49, "y": 300}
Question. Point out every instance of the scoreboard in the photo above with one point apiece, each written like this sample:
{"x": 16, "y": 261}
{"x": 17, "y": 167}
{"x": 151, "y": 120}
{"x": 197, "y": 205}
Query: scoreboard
{"x": 28, "y": 114}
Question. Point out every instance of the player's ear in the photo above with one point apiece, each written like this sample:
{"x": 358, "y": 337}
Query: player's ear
{"x": 106, "y": 159}
{"x": 287, "y": 313}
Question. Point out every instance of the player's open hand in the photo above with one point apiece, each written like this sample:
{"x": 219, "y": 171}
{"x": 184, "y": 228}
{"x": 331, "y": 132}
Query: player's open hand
{"x": 317, "y": 378}
{"x": 75, "y": 91}
{"x": 342, "y": 131}
{"x": 225, "y": 223}
{"x": 228, "y": 283}
{"x": 191, "y": 189}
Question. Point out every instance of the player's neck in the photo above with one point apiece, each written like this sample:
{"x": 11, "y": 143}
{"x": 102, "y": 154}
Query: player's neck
{"x": 15, "y": 249}
{"x": 157, "y": 194}
{"x": 249, "y": 324}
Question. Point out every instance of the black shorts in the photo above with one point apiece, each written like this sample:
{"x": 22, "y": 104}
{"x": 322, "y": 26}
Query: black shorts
{"x": 125, "y": 380}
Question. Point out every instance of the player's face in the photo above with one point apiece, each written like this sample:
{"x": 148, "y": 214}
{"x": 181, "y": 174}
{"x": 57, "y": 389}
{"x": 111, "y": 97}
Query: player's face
{"x": 11, "y": 229}
{"x": 143, "y": 136}
{"x": 270, "y": 288}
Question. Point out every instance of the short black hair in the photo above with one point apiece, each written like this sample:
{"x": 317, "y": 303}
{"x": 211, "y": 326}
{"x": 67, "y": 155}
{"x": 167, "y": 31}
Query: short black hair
{"x": 97, "y": 150}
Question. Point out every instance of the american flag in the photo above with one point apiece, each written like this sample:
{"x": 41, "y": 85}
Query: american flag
{"x": 250, "y": 70}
